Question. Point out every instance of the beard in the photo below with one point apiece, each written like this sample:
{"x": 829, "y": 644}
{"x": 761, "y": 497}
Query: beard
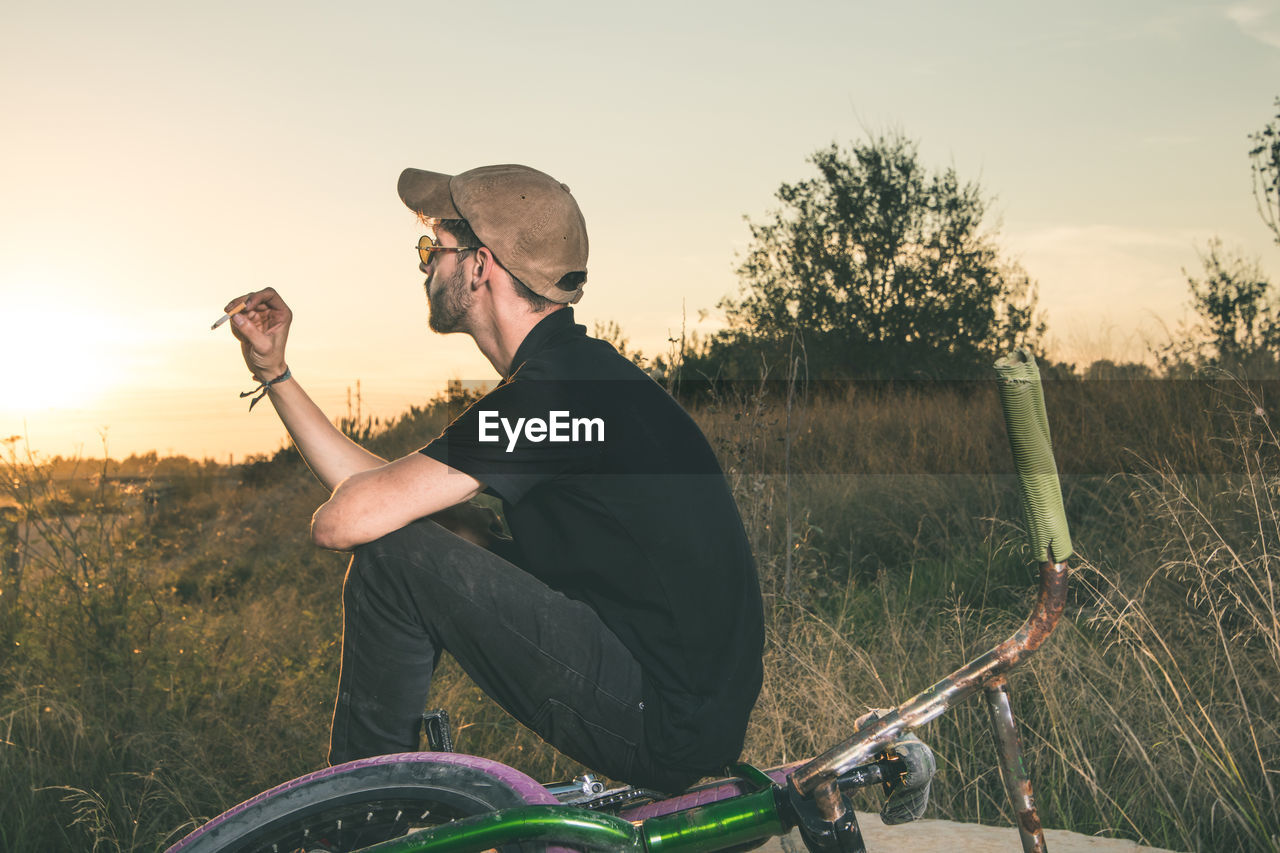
{"x": 448, "y": 305}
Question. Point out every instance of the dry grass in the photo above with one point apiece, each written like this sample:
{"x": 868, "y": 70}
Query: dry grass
{"x": 1152, "y": 714}
{"x": 885, "y": 527}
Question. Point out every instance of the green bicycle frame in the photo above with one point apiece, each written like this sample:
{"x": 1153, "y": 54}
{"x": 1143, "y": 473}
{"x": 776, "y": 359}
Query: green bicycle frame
{"x": 715, "y": 826}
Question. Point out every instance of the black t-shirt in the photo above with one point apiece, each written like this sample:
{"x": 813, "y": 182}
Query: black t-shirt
{"x": 615, "y": 498}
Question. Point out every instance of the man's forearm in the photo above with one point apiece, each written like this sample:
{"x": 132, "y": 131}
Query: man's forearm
{"x": 330, "y": 455}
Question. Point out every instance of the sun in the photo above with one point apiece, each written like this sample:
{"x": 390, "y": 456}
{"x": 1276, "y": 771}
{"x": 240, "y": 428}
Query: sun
{"x": 53, "y": 357}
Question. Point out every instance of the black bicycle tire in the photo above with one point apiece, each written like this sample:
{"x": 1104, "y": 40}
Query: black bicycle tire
{"x": 450, "y": 784}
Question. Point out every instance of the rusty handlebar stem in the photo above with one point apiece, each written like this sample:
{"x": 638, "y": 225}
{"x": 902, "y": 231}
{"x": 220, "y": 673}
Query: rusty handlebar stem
{"x": 955, "y": 688}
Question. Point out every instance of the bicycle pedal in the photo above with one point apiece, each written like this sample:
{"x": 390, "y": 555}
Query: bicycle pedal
{"x": 436, "y": 724}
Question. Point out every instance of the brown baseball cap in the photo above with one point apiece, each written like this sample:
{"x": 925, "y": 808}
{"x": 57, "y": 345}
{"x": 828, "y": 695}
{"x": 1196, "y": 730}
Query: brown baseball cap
{"x": 527, "y": 218}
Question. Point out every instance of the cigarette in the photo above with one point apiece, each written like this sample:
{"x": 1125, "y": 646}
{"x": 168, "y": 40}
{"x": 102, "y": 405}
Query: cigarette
{"x": 227, "y": 316}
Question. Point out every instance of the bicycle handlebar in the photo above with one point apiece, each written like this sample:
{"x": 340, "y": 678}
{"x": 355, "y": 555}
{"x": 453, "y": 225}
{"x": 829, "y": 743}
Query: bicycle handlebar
{"x": 1022, "y": 400}
{"x": 1028, "y": 426}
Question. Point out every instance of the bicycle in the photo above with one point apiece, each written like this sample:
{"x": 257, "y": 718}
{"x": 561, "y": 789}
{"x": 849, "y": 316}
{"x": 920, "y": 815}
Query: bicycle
{"x": 445, "y": 802}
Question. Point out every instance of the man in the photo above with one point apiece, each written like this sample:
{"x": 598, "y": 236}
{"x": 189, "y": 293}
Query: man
{"x": 622, "y": 620}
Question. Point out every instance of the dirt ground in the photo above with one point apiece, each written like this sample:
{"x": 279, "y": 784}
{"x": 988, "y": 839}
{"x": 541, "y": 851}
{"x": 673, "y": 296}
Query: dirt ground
{"x": 944, "y": 836}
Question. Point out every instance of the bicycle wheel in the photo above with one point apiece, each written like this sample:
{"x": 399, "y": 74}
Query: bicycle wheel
{"x": 363, "y": 802}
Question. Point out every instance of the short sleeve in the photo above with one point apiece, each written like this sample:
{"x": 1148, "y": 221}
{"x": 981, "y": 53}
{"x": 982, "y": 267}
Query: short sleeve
{"x": 524, "y": 433}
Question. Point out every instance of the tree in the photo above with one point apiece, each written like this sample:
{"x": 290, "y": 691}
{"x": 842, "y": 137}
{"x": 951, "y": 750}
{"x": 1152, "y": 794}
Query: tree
{"x": 1239, "y": 324}
{"x": 1239, "y": 321}
{"x": 881, "y": 270}
{"x": 1106, "y": 369}
{"x": 1265, "y": 155}
{"x": 1232, "y": 301}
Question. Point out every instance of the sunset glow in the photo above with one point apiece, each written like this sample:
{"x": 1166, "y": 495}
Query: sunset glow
{"x": 56, "y": 357}
{"x": 162, "y": 160}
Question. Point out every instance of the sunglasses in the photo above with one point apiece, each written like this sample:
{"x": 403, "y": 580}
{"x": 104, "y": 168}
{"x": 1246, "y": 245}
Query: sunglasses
{"x": 427, "y": 245}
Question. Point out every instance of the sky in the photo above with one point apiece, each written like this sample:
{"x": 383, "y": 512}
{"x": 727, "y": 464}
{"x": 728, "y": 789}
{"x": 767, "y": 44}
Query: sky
{"x": 162, "y": 158}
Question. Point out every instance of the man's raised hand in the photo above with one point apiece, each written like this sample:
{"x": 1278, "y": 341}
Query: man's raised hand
{"x": 262, "y": 329}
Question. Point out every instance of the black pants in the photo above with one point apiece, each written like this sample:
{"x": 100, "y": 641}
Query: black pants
{"x": 547, "y": 659}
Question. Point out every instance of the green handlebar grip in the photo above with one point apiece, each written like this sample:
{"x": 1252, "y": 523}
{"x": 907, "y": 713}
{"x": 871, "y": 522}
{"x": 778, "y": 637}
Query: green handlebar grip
{"x": 1022, "y": 399}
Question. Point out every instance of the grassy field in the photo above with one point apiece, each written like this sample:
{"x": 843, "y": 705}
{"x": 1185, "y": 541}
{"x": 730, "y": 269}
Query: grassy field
{"x": 169, "y": 651}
